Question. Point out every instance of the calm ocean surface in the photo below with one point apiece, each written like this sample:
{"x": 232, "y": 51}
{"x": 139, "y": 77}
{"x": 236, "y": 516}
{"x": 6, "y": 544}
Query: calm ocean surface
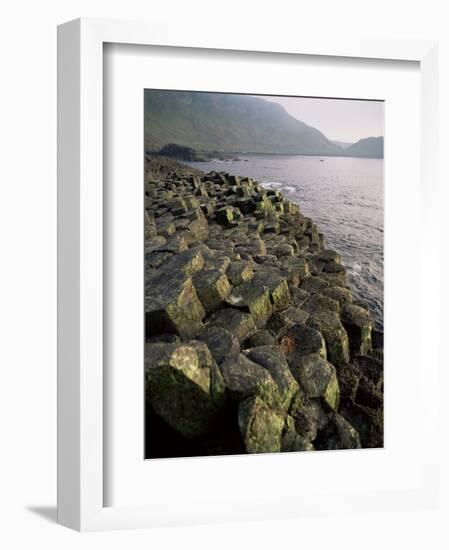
{"x": 344, "y": 196}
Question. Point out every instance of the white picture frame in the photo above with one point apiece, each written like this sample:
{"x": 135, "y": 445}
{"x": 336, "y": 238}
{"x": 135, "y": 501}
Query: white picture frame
{"x": 81, "y": 407}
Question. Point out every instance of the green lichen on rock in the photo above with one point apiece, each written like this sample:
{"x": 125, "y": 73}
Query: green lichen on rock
{"x": 310, "y": 417}
{"x": 291, "y": 440}
{"x": 260, "y": 426}
{"x": 290, "y": 316}
{"x": 244, "y": 378}
{"x": 366, "y": 421}
{"x": 329, "y": 325}
{"x": 272, "y": 359}
{"x": 188, "y": 262}
{"x": 317, "y": 378}
{"x": 239, "y": 323}
{"x": 338, "y": 434}
{"x": 299, "y": 340}
{"x": 340, "y": 294}
{"x": 332, "y": 394}
{"x": 253, "y": 298}
{"x": 328, "y": 256}
{"x": 314, "y": 285}
{"x": 221, "y": 343}
{"x": 358, "y": 324}
{"x": 154, "y": 243}
{"x": 240, "y": 272}
{"x": 212, "y": 287}
{"x": 296, "y": 268}
{"x": 372, "y": 368}
{"x": 261, "y": 337}
{"x": 317, "y": 303}
{"x": 277, "y": 286}
{"x": 172, "y": 305}
{"x": 207, "y": 360}
{"x": 178, "y": 388}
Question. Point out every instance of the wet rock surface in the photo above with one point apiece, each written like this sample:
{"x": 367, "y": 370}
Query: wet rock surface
{"x": 253, "y": 342}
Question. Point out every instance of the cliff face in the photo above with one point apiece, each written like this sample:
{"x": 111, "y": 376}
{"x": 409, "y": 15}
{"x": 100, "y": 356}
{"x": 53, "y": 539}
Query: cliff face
{"x": 228, "y": 122}
{"x": 253, "y": 341}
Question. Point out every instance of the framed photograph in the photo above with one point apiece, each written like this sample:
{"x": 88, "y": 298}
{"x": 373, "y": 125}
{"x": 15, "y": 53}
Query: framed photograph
{"x": 242, "y": 286}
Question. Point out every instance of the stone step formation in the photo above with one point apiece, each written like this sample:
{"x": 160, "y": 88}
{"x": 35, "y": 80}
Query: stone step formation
{"x": 253, "y": 341}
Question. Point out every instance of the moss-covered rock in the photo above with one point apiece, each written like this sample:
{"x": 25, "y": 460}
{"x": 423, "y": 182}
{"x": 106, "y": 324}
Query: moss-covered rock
{"x": 284, "y": 250}
{"x": 188, "y": 262}
{"x": 261, "y": 337}
{"x": 372, "y": 368}
{"x": 335, "y": 279}
{"x": 244, "y": 378}
{"x": 212, "y": 287}
{"x": 254, "y": 246}
{"x": 175, "y": 245}
{"x": 299, "y": 340}
{"x": 178, "y": 387}
{"x": 272, "y": 359}
{"x": 296, "y": 268}
{"x": 314, "y": 285}
{"x": 348, "y": 379}
{"x": 277, "y": 286}
{"x": 327, "y": 256}
{"x": 239, "y": 323}
{"x": 240, "y": 272}
{"x": 260, "y": 426}
{"x": 291, "y": 440}
{"x": 340, "y": 294}
{"x": 221, "y": 343}
{"x": 207, "y": 360}
{"x": 154, "y": 243}
{"x": 358, "y": 324}
{"x": 366, "y": 421}
{"x": 334, "y": 334}
{"x": 155, "y": 259}
{"x": 338, "y": 434}
{"x": 225, "y": 215}
{"x": 290, "y": 316}
{"x": 198, "y": 227}
{"x": 309, "y": 417}
{"x": 172, "y": 305}
{"x": 254, "y": 298}
{"x": 166, "y": 229}
{"x": 246, "y": 205}
{"x": 317, "y": 303}
{"x": 298, "y": 296}
{"x": 368, "y": 394}
{"x": 317, "y": 378}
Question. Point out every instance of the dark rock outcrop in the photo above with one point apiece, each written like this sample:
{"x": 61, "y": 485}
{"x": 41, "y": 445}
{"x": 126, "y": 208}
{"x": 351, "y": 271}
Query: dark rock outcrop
{"x": 180, "y": 152}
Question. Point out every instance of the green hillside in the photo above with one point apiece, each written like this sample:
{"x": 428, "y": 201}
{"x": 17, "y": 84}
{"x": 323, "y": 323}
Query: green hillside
{"x": 371, "y": 147}
{"x": 228, "y": 123}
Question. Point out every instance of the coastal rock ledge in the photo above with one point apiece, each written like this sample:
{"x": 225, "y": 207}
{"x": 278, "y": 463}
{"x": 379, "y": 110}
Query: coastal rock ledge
{"x": 253, "y": 341}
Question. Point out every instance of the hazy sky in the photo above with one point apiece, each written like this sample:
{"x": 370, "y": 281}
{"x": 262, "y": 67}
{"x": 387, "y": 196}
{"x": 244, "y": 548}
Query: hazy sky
{"x": 338, "y": 119}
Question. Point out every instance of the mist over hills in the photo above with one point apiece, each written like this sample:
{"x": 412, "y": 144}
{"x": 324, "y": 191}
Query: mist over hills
{"x": 342, "y": 144}
{"x": 233, "y": 124}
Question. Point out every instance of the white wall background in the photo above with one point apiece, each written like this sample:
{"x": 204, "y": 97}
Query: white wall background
{"x": 28, "y": 267}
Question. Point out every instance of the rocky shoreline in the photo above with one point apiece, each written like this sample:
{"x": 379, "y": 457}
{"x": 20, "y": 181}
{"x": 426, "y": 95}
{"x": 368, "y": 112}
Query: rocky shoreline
{"x": 253, "y": 340}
